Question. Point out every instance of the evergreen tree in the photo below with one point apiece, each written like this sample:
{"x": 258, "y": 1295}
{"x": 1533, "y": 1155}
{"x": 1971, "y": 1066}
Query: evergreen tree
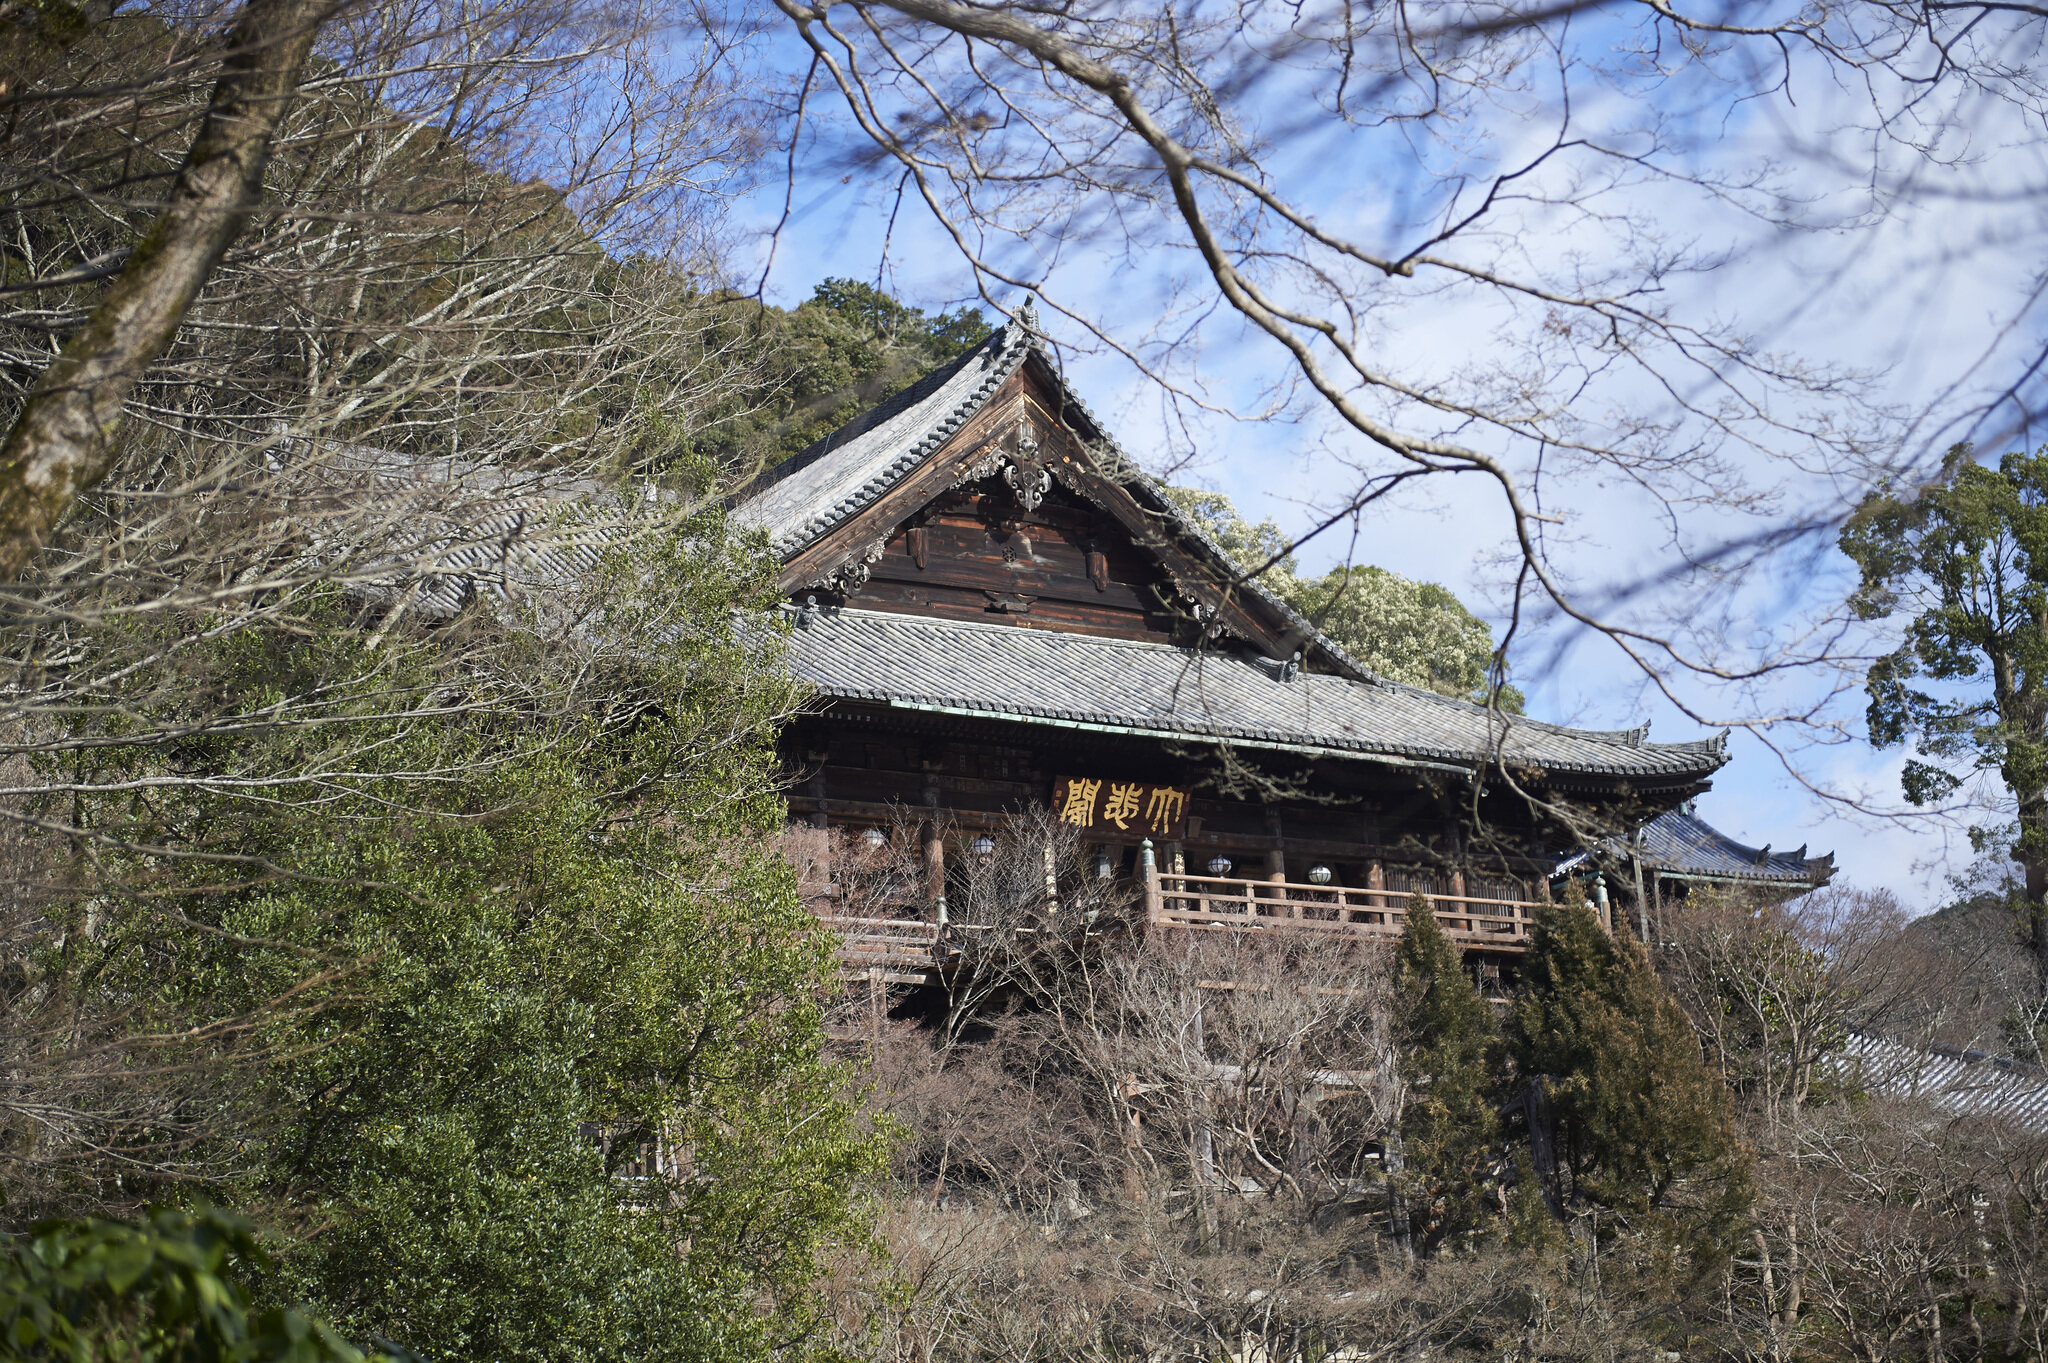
{"x": 536, "y": 1066}
{"x": 825, "y": 361}
{"x": 1962, "y": 565}
{"x": 1643, "y": 1123}
{"x": 1416, "y": 633}
{"x": 1450, "y": 1126}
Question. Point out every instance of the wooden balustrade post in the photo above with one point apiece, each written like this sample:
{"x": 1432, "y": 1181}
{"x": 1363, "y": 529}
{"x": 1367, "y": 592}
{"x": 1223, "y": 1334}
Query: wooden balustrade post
{"x": 934, "y": 849}
{"x": 1642, "y": 900}
{"x": 1148, "y": 870}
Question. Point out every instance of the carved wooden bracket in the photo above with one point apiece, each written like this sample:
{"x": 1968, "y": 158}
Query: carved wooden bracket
{"x": 1009, "y": 603}
{"x": 1018, "y": 457}
{"x": 1029, "y": 481}
{"x": 850, "y": 576}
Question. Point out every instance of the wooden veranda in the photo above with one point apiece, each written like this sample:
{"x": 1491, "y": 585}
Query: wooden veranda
{"x": 915, "y": 948}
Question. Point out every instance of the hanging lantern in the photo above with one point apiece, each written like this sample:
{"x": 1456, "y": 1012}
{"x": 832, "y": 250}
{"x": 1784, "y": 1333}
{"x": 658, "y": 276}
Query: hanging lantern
{"x": 1320, "y": 874}
{"x": 875, "y": 838}
{"x": 984, "y": 846}
{"x": 1104, "y": 867}
{"x": 1219, "y": 866}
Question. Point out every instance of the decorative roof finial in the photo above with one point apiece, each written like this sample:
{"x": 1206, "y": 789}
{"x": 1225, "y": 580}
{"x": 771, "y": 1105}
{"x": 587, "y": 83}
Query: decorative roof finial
{"x": 1027, "y": 316}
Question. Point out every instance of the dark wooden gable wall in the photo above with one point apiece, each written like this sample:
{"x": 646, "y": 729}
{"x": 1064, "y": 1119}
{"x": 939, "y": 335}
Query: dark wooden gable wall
{"x": 976, "y": 554}
{"x": 1063, "y": 546}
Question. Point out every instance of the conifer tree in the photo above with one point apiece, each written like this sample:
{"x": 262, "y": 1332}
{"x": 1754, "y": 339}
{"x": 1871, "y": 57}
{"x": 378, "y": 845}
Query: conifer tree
{"x": 1643, "y": 1122}
{"x": 1450, "y": 1049}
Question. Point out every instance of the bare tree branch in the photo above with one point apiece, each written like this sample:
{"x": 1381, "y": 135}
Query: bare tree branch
{"x": 64, "y": 440}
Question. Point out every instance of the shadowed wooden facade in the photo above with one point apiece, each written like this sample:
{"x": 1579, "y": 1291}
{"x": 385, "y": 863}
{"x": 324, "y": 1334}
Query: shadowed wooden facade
{"x": 996, "y": 607}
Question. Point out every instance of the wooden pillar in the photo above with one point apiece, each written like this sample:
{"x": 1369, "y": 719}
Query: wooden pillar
{"x": 1148, "y": 874}
{"x": 1134, "y": 1142}
{"x": 1376, "y": 879}
{"x": 1276, "y": 859}
{"x": 1642, "y": 901}
{"x": 934, "y": 852}
{"x": 818, "y": 845}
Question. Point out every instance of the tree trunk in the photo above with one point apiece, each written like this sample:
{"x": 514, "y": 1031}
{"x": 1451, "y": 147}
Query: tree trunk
{"x": 64, "y": 440}
{"x": 1395, "y": 1165}
{"x": 2032, "y": 855}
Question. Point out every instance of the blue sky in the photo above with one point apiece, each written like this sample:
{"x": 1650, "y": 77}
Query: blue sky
{"x": 1913, "y": 300}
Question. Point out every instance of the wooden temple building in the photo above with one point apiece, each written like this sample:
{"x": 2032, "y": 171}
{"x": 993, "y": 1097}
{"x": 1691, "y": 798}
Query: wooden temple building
{"x": 996, "y": 608}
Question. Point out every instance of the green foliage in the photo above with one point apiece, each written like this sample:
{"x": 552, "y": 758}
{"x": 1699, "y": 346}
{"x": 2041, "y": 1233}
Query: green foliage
{"x": 1531, "y": 1227}
{"x": 832, "y": 357}
{"x": 1965, "y": 562}
{"x": 1261, "y": 550}
{"x": 1450, "y": 1127}
{"x": 168, "y": 1291}
{"x": 1412, "y": 632}
{"x": 486, "y": 961}
{"x": 1415, "y": 632}
{"x": 1643, "y": 1123}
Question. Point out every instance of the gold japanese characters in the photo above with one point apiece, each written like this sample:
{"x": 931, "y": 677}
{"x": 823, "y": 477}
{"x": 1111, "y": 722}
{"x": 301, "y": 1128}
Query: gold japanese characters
{"x": 1137, "y": 808}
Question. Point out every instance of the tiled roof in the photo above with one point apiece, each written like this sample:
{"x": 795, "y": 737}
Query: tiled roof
{"x": 807, "y": 496}
{"x": 1961, "y": 1083}
{"x": 1681, "y": 843}
{"x": 449, "y": 529}
{"x": 1048, "y": 677}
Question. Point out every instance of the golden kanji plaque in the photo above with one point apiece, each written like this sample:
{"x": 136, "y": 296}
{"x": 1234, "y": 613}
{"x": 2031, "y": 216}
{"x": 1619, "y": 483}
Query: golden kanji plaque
{"x": 1113, "y": 808}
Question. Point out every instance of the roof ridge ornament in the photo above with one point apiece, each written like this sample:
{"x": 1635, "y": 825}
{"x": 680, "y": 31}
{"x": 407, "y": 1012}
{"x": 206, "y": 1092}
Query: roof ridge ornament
{"x": 1026, "y": 316}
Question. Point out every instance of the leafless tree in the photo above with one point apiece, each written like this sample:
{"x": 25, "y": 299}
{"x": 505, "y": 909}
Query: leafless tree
{"x": 1170, "y": 1152}
{"x": 1025, "y": 914}
{"x": 65, "y": 438}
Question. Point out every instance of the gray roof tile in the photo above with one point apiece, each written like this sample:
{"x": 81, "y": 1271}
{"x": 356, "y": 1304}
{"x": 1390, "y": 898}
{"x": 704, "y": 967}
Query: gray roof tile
{"x": 1045, "y": 676}
{"x": 1681, "y": 843}
{"x": 1961, "y": 1083}
{"x": 807, "y": 496}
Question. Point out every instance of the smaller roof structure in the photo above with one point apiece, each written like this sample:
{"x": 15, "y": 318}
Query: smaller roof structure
{"x": 1679, "y": 845}
{"x": 1959, "y": 1082}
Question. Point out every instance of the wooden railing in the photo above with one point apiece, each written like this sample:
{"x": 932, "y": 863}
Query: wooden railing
{"x": 894, "y": 946}
{"x": 1219, "y": 903}
{"x": 910, "y": 947}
